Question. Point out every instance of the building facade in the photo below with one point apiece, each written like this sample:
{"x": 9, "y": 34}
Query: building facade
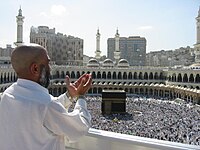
{"x": 133, "y": 49}
{"x": 62, "y": 49}
{"x": 184, "y": 56}
{"x": 159, "y": 82}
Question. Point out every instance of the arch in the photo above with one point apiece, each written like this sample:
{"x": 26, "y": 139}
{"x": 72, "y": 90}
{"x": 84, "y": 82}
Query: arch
{"x": 124, "y": 75}
{"x": 141, "y": 91}
{"x": 95, "y": 90}
{"x": 120, "y": 88}
{"x": 156, "y": 76}
{"x": 98, "y": 75}
{"x": 150, "y": 91}
{"x": 151, "y": 76}
{"x": 185, "y": 78}
{"x": 197, "y": 79}
{"x": 5, "y": 79}
{"x": 129, "y": 75}
{"x": 179, "y": 79}
{"x": 169, "y": 78}
{"x": 57, "y": 74}
{"x": 99, "y": 90}
{"x": 8, "y": 77}
{"x": 173, "y": 77}
{"x": 104, "y": 75}
{"x": 11, "y": 77}
{"x": 114, "y": 75}
{"x": 1, "y": 78}
{"x": 146, "y": 76}
{"x": 15, "y": 77}
{"x": 119, "y": 75}
{"x": 62, "y": 75}
{"x": 136, "y": 90}
{"x": 93, "y": 75}
{"x": 161, "y": 76}
{"x": 90, "y": 91}
{"x": 140, "y": 76}
{"x": 78, "y": 74}
{"x": 191, "y": 78}
{"x": 135, "y": 75}
{"x": 72, "y": 75}
{"x": 109, "y": 75}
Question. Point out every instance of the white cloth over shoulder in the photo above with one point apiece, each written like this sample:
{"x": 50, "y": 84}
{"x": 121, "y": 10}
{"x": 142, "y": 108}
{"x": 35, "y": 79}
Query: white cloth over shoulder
{"x": 32, "y": 119}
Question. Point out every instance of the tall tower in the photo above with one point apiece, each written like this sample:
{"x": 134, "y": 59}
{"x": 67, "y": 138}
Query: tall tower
{"x": 20, "y": 21}
{"x": 117, "y": 51}
{"x": 98, "y": 52}
{"x": 197, "y": 45}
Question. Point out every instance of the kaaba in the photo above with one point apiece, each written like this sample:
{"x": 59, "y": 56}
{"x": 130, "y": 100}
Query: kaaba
{"x": 113, "y": 101}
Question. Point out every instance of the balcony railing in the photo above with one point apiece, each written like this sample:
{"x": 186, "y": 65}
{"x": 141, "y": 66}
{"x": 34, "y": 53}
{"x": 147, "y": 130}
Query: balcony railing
{"x": 105, "y": 140}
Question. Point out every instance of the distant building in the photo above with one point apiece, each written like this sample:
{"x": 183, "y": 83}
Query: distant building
{"x": 178, "y": 57}
{"x": 62, "y": 49}
{"x": 133, "y": 49}
{"x": 5, "y": 54}
{"x": 86, "y": 60}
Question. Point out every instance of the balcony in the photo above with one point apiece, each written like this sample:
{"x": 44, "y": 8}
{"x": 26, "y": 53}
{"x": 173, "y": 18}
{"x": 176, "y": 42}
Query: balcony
{"x": 105, "y": 140}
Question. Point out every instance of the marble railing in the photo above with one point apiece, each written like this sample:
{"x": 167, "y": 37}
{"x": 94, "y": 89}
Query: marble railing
{"x": 105, "y": 140}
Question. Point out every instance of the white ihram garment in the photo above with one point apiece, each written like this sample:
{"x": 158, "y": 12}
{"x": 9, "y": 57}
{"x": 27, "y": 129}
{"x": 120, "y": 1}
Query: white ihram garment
{"x": 32, "y": 119}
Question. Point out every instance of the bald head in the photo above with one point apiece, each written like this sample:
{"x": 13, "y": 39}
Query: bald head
{"x": 24, "y": 56}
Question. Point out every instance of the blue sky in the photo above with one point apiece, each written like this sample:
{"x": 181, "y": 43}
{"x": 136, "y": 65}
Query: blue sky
{"x": 166, "y": 24}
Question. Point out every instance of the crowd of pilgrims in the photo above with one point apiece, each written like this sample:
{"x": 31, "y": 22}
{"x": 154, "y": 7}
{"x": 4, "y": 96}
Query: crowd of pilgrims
{"x": 152, "y": 118}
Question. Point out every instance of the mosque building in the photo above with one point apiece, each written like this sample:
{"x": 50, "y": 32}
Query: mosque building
{"x": 132, "y": 49}
{"x": 118, "y": 74}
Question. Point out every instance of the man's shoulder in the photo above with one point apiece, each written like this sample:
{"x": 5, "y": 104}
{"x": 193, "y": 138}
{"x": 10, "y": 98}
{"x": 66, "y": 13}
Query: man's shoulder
{"x": 27, "y": 94}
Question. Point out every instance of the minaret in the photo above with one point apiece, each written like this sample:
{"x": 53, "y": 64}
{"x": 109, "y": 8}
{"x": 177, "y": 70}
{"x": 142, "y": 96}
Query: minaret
{"x": 98, "y": 52}
{"x": 197, "y": 45}
{"x": 20, "y": 21}
{"x": 117, "y": 51}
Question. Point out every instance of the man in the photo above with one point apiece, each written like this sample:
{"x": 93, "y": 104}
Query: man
{"x": 32, "y": 119}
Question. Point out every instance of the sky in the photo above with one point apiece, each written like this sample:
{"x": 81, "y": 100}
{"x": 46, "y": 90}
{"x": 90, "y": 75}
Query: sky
{"x": 166, "y": 24}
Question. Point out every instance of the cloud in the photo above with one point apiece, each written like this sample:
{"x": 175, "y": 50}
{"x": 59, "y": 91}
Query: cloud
{"x": 58, "y": 10}
{"x": 145, "y": 28}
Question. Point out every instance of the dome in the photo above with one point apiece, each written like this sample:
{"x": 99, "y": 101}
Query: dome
{"x": 123, "y": 63}
{"x": 93, "y": 63}
{"x": 108, "y": 63}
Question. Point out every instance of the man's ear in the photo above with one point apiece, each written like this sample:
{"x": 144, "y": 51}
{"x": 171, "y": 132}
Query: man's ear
{"x": 35, "y": 69}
